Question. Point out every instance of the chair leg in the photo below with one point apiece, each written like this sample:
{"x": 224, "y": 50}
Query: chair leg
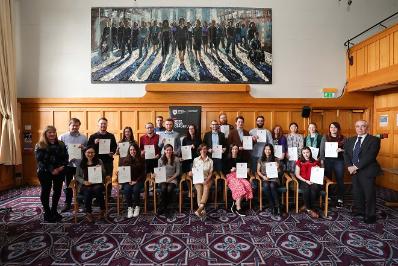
{"x": 215, "y": 194}
{"x": 145, "y": 196}
{"x": 106, "y": 200}
{"x": 287, "y": 201}
{"x": 226, "y": 194}
{"x": 154, "y": 198}
{"x": 180, "y": 198}
{"x": 260, "y": 188}
{"x": 297, "y": 194}
{"x": 118, "y": 201}
{"x": 190, "y": 194}
{"x": 326, "y": 202}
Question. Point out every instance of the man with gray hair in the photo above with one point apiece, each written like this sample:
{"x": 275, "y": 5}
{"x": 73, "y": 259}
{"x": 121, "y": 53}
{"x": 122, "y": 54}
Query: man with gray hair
{"x": 360, "y": 153}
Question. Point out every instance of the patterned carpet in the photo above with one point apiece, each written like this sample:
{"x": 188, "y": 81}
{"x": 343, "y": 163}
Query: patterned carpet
{"x": 222, "y": 239}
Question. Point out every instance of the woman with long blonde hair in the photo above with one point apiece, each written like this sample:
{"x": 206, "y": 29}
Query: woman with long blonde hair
{"x": 52, "y": 158}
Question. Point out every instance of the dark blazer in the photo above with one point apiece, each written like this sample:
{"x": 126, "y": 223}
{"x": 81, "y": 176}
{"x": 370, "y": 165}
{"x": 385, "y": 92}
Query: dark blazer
{"x": 234, "y": 139}
{"x": 367, "y": 156}
{"x": 208, "y": 140}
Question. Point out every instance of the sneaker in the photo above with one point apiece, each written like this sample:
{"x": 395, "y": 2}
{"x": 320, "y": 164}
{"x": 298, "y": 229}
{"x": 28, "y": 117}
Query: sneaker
{"x": 136, "y": 211}
{"x": 130, "y": 212}
{"x": 233, "y": 209}
{"x": 48, "y": 218}
{"x": 240, "y": 212}
{"x": 339, "y": 204}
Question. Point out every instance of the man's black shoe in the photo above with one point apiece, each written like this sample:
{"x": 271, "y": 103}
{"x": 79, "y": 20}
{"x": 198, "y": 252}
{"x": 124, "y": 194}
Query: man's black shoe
{"x": 370, "y": 220}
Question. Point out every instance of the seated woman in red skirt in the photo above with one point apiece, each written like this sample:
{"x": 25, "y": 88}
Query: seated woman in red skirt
{"x": 240, "y": 187}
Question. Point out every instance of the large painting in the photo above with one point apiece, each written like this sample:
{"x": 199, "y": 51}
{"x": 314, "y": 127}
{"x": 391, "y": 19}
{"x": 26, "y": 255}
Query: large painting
{"x": 182, "y": 44}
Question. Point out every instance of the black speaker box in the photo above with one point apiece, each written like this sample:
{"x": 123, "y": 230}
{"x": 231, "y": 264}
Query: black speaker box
{"x": 306, "y": 111}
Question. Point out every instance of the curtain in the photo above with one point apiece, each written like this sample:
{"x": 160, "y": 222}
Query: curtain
{"x": 10, "y": 149}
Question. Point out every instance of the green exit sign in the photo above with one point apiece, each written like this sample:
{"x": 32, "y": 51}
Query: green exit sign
{"x": 329, "y": 94}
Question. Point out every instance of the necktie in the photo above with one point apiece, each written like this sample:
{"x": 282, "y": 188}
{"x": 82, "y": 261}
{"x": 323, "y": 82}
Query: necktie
{"x": 357, "y": 149}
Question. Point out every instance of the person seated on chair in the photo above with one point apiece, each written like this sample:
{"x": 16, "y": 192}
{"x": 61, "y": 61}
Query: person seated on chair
{"x": 172, "y": 164}
{"x": 202, "y": 190}
{"x": 310, "y": 190}
{"x": 131, "y": 190}
{"x": 88, "y": 189}
{"x": 128, "y": 136}
{"x": 270, "y": 185}
{"x": 240, "y": 187}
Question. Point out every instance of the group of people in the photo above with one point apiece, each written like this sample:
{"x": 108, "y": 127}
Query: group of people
{"x": 182, "y": 35}
{"x": 222, "y": 151}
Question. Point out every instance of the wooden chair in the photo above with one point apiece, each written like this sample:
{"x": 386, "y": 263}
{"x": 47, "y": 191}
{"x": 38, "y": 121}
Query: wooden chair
{"x": 120, "y": 194}
{"x": 179, "y": 190}
{"x": 75, "y": 188}
{"x": 283, "y": 189}
{"x": 220, "y": 176}
{"x": 324, "y": 193}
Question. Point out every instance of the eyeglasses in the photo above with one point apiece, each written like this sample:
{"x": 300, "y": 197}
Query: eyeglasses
{"x": 214, "y": 124}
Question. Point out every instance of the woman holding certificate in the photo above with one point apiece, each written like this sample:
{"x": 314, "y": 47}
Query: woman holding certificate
{"x": 310, "y": 189}
{"x": 332, "y": 158}
{"x": 202, "y": 172}
{"x": 313, "y": 140}
{"x": 52, "y": 158}
{"x": 193, "y": 140}
{"x": 240, "y": 186}
{"x": 124, "y": 144}
{"x": 295, "y": 142}
{"x": 91, "y": 176}
{"x": 268, "y": 169}
{"x": 172, "y": 164}
{"x": 134, "y": 175}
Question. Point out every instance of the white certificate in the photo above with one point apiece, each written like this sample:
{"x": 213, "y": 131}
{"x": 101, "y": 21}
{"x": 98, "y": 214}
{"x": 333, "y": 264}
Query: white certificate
{"x": 124, "y": 175}
{"x": 95, "y": 174}
{"x": 278, "y": 151}
{"x": 262, "y": 135}
{"x": 225, "y": 129}
{"x": 317, "y": 174}
{"x": 74, "y": 151}
{"x": 124, "y": 149}
{"x": 216, "y": 152}
{"x": 104, "y": 146}
{"x": 271, "y": 170}
{"x": 331, "y": 149}
{"x": 198, "y": 176}
{"x": 169, "y": 141}
{"x": 149, "y": 152}
{"x": 292, "y": 151}
{"x": 247, "y": 142}
{"x": 160, "y": 174}
{"x": 241, "y": 170}
{"x": 186, "y": 152}
{"x": 315, "y": 152}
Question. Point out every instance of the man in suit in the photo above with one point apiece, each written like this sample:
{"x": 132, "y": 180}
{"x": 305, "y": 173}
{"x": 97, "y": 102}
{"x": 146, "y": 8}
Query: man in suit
{"x": 236, "y": 137}
{"x": 360, "y": 155}
{"x": 215, "y": 137}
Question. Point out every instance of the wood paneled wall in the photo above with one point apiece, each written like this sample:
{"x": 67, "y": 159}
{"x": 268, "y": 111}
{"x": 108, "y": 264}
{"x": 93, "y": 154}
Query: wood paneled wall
{"x": 137, "y": 112}
{"x": 387, "y": 104}
{"x": 375, "y": 61}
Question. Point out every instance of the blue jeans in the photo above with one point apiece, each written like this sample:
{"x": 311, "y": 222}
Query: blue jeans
{"x": 93, "y": 191}
{"x": 132, "y": 193}
{"x": 271, "y": 190}
{"x": 336, "y": 166}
